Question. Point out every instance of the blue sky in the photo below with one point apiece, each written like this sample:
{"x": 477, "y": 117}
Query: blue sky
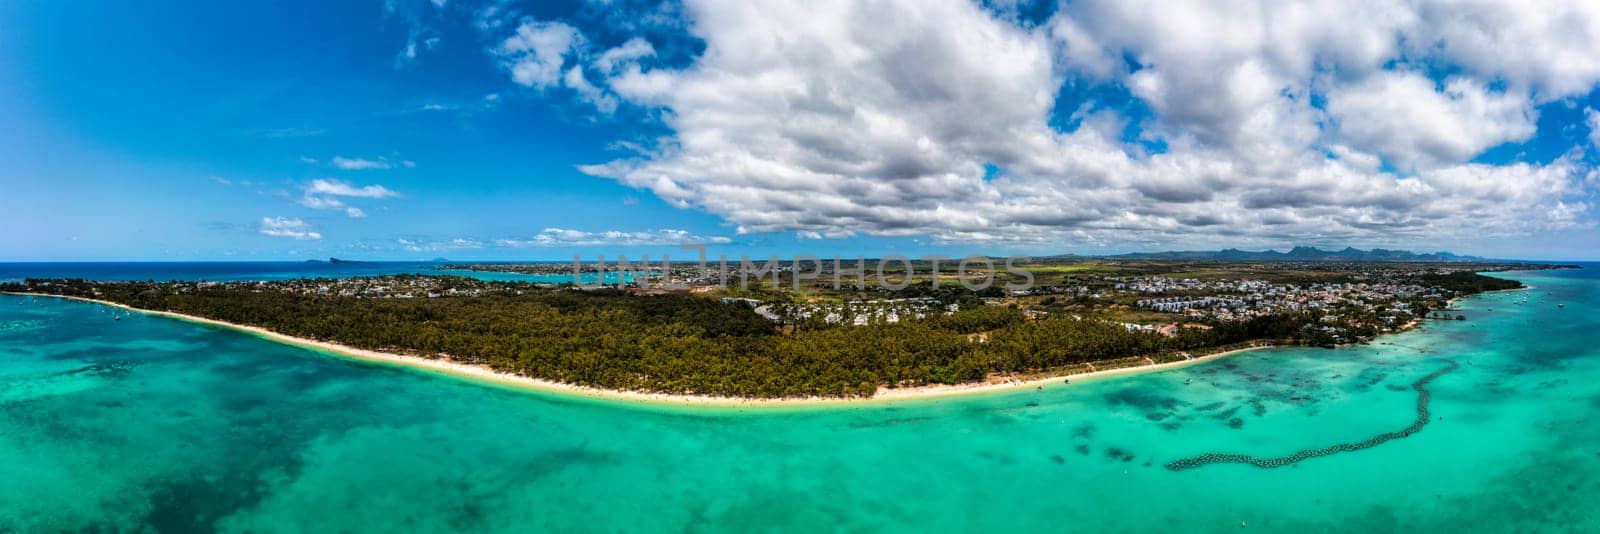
{"x": 499, "y": 130}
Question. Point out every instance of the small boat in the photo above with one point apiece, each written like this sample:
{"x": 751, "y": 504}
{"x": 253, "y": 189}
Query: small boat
{"x": 119, "y": 317}
{"x": 1188, "y": 381}
{"x": 1561, "y": 304}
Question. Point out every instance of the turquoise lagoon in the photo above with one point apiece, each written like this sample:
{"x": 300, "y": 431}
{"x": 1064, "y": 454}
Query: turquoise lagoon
{"x": 152, "y": 424}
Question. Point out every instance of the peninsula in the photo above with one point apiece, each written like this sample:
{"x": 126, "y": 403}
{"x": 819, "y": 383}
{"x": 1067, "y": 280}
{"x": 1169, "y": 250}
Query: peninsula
{"x": 815, "y": 343}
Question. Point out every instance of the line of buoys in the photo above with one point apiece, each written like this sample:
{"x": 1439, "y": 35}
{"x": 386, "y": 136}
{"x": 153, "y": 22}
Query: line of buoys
{"x": 1421, "y": 386}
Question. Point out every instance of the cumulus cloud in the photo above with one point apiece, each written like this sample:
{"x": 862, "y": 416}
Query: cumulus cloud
{"x": 287, "y": 227}
{"x": 1407, "y": 121}
{"x": 323, "y": 186}
{"x": 1551, "y": 49}
{"x": 934, "y": 117}
{"x": 536, "y": 52}
{"x": 323, "y": 194}
{"x": 561, "y": 237}
{"x": 544, "y": 55}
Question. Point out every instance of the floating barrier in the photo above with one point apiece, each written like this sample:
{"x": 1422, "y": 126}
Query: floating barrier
{"x": 1421, "y": 386}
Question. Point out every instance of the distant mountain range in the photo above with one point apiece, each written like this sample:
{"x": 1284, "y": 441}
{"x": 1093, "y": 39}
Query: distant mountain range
{"x": 1298, "y": 254}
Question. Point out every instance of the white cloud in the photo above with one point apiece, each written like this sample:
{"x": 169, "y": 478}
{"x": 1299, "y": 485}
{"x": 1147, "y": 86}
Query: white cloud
{"x": 357, "y": 164}
{"x": 575, "y": 80}
{"x": 636, "y": 85}
{"x": 536, "y": 52}
{"x": 423, "y": 245}
{"x": 629, "y": 52}
{"x": 322, "y": 194}
{"x": 835, "y": 118}
{"x": 1592, "y": 118}
{"x": 1406, "y": 120}
{"x": 323, "y": 186}
{"x": 561, "y": 237}
{"x": 537, "y": 56}
{"x": 1551, "y": 48}
{"x": 287, "y": 227}
{"x": 493, "y": 15}
{"x": 321, "y": 203}
{"x": 1240, "y": 75}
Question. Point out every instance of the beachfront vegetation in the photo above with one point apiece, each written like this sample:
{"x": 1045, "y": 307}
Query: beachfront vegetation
{"x": 683, "y": 343}
{"x": 680, "y": 343}
{"x": 1467, "y": 282}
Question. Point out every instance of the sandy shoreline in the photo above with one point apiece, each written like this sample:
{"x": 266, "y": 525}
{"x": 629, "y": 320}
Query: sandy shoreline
{"x": 485, "y": 374}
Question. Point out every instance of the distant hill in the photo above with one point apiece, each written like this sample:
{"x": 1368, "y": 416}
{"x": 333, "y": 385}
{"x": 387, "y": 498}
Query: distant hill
{"x": 1298, "y": 254}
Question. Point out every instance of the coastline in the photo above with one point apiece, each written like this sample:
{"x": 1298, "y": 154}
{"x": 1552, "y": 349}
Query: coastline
{"x": 484, "y": 375}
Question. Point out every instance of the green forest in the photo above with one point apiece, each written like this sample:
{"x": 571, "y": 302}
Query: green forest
{"x": 680, "y": 343}
{"x": 1467, "y": 282}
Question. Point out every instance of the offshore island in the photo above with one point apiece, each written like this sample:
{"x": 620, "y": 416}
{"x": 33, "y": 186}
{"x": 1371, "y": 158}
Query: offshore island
{"x": 700, "y": 341}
